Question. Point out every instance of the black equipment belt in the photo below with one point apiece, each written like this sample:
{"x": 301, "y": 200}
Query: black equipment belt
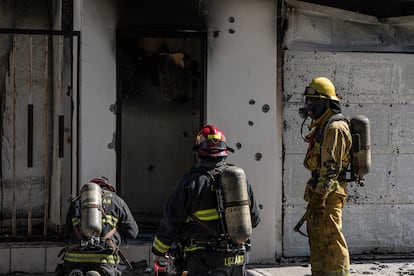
{"x": 341, "y": 176}
{"x": 206, "y": 243}
{"x": 220, "y": 244}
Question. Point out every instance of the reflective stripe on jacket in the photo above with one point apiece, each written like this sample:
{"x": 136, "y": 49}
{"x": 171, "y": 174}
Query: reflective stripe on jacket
{"x": 194, "y": 195}
{"x": 91, "y": 257}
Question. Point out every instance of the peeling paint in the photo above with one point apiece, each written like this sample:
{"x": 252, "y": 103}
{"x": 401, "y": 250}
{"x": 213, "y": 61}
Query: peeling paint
{"x": 112, "y": 108}
{"x": 111, "y": 145}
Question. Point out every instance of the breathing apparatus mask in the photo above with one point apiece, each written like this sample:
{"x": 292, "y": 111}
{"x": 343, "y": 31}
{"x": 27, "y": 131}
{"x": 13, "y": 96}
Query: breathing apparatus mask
{"x": 314, "y": 105}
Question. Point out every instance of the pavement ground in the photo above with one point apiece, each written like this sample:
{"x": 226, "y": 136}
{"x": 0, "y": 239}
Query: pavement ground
{"x": 361, "y": 266}
{"x": 391, "y": 267}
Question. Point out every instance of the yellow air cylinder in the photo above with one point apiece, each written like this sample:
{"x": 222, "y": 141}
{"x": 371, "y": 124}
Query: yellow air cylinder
{"x": 236, "y": 204}
{"x": 91, "y": 214}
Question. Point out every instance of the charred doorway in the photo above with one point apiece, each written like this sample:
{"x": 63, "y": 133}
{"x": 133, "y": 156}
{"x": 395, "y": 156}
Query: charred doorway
{"x": 161, "y": 90}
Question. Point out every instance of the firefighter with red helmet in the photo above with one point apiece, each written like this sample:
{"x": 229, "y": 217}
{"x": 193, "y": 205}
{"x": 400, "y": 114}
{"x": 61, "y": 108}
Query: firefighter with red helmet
{"x": 193, "y": 213}
{"x": 328, "y": 157}
{"x": 96, "y": 223}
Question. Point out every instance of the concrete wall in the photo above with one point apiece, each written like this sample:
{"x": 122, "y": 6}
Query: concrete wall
{"x": 378, "y": 215}
{"x": 242, "y": 101}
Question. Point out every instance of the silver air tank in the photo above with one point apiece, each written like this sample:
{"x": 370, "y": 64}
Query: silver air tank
{"x": 91, "y": 214}
{"x": 236, "y": 204}
{"x": 361, "y": 154}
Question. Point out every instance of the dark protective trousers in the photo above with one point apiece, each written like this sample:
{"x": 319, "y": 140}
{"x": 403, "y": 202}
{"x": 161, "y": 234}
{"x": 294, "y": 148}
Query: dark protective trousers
{"x": 215, "y": 264}
{"x": 104, "y": 269}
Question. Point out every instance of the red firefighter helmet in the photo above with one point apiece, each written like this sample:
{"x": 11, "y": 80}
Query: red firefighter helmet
{"x": 211, "y": 142}
{"x": 104, "y": 183}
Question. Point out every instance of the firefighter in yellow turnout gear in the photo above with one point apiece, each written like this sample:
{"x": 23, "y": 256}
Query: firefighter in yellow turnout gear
{"x": 327, "y": 158}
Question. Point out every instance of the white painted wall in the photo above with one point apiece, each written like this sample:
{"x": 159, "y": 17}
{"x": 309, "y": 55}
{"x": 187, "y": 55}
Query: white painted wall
{"x": 97, "y": 89}
{"x": 242, "y": 67}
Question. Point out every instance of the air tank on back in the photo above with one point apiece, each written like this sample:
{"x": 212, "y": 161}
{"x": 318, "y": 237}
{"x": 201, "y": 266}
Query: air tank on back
{"x": 236, "y": 204}
{"x": 361, "y": 148}
{"x": 91, "y": 214}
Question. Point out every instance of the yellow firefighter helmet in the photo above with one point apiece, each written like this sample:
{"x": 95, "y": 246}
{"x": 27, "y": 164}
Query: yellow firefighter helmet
{"x": 321, "y": 87}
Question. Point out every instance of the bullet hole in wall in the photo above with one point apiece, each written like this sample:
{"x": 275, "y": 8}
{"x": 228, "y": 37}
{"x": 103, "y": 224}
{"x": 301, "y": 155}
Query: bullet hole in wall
{"x": 265, "y": 108}
{"x": 231, "y": 19}
{"x": 112, "y": 108}
{"x": 251, "y": 123}
{"x": 238, "y": 145}
{"x": 232, "y": 31}
{"x": 258, "y": 156}
{"x": 216, "y": 33}
{"x": 261, "y": 206}
{"x": 251, "y": 102}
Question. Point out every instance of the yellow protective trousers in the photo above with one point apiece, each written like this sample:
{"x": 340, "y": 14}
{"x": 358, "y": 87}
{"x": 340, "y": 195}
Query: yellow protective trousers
{"x": 328, "y": 249}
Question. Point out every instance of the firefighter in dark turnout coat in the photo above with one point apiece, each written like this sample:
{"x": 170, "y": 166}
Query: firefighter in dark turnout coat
{"x": 191, "y": 213}
{"x": 118, "y": 224}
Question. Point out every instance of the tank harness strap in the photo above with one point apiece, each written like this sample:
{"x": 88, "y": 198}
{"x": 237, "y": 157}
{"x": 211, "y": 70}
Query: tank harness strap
{"x": 319, "y": 139}
{"x": 108, "y": 241}
{"x": 218, "y": 241}
{"x": 333, "y": 118}
{"x": 93, "y": 206}
{"x": 202, "y": 224}
{"x": 238, "y": 203}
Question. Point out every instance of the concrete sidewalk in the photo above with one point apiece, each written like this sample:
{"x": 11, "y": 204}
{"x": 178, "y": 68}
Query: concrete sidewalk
{"x": 358, "y": 267}
{"x": 390, "y": 266}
